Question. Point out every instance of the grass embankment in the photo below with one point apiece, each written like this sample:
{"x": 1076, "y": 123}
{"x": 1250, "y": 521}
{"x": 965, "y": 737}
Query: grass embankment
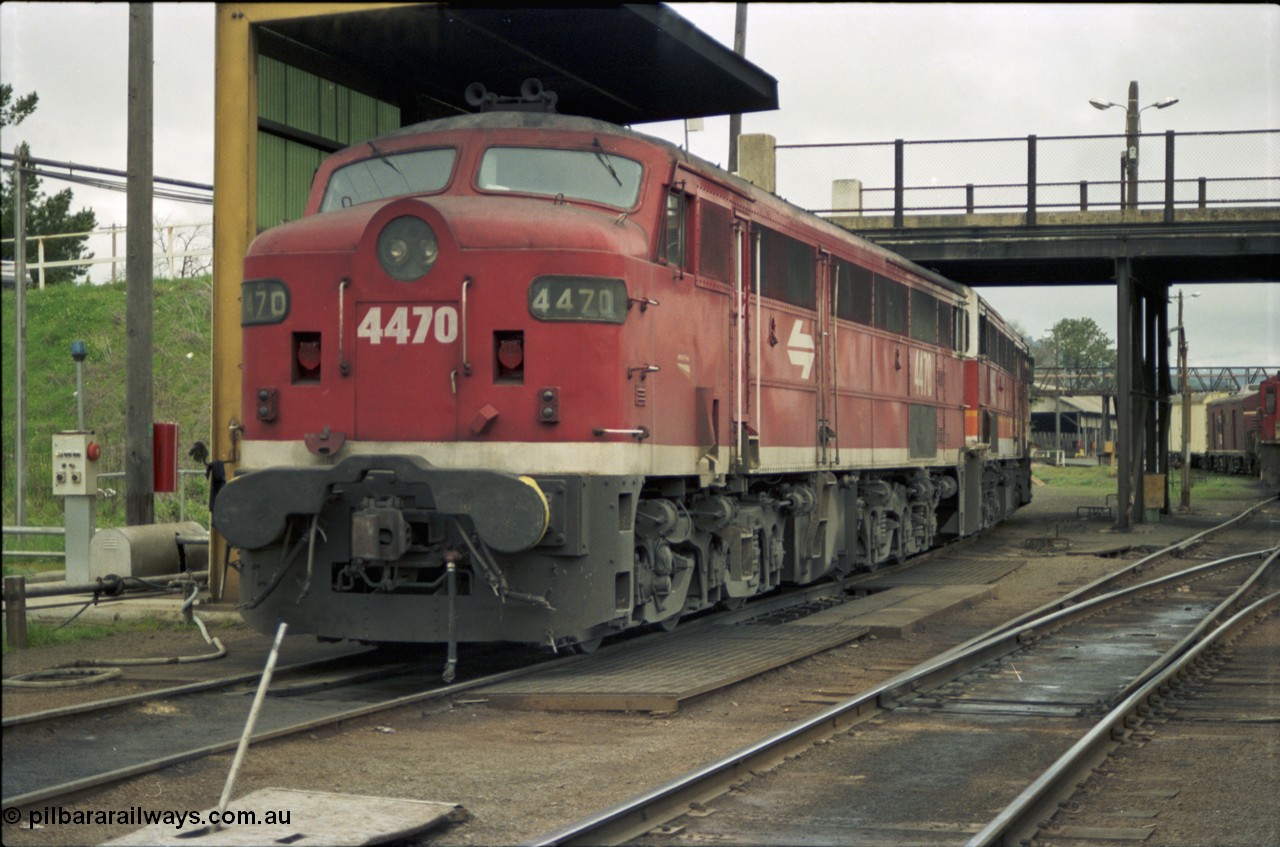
{"x": 181, "y": 387}
{"x": 40, "y": 634}
{"x": 1098, "y": 482}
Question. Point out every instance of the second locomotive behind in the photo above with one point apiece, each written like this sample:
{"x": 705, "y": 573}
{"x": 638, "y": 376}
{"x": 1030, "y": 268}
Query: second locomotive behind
{"x": 1242, "y": 434}
{"x": 535, "y": 378}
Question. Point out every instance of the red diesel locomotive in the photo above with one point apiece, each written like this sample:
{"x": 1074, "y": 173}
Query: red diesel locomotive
{"x": 527, "y": 377}
{"x": 1243, "y": 435}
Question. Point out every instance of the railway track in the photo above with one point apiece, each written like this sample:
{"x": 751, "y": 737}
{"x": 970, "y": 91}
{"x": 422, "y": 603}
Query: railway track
{"x": 57, "y": 753}
{"x": 1222, "y": 709}
{"x": 62, "y": 752}
{"x": 318, "y": 666}
{"x": 1151, "y": 695}
{"x": 979, "y": 721}
{"x": 327, "y": 704}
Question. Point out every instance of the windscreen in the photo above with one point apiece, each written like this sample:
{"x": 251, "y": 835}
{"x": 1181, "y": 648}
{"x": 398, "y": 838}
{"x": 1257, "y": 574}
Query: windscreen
{"x": 592, "y": 175}
{"x": 390, "y": 175}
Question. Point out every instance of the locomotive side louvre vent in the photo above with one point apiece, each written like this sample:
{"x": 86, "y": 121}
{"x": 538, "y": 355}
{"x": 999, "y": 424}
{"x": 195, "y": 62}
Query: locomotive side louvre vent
{"x": 642, "y": 394}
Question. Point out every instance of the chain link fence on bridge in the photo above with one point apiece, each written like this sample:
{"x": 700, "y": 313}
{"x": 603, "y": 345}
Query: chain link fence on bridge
{"x": 1071, "y": 173}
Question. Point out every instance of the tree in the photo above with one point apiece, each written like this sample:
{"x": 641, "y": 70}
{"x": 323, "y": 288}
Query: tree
{"x": 1076, "y": 343}
{"x": 13, "y": 113}
{"x": 45, "y": 215}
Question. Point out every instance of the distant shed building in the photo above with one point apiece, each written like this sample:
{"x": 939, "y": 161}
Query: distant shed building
{"x": 1078, "y": 419}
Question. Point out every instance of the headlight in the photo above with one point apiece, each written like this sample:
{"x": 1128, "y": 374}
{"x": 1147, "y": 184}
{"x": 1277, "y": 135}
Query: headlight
{"x": 407, "y": 248}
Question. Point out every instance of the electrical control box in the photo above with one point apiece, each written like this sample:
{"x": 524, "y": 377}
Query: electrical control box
{"x": 75, "y": 463}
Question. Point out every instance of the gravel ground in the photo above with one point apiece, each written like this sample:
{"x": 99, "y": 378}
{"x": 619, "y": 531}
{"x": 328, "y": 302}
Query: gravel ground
{"x": 523, "y": 774}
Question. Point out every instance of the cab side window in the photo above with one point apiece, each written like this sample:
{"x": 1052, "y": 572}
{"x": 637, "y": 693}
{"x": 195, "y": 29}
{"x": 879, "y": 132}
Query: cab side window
{"x": 675, "y": 242}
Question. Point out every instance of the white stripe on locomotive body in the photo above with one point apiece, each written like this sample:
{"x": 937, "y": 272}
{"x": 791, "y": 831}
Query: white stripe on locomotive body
{"x": 598, "y": 458}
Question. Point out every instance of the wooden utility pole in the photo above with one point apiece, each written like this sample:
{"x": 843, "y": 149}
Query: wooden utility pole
{"x": 739, "y": 47}
{"x": 139, "y": 403}
{"x": 20, "y": 335}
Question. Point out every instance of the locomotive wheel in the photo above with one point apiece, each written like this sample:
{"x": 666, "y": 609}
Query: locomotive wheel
{"x": 733, "y": 604}
{"x": 669, "y": 624}
{"x": 589, "y": 645}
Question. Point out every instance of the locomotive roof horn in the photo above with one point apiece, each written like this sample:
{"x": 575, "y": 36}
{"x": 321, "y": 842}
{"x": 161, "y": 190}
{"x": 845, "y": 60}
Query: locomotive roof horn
{"x": 532, "y": 98}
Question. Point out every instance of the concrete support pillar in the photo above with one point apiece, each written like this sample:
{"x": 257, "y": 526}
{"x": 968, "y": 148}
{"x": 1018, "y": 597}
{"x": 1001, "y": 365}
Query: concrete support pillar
{"x": 758, "y": 160}
{"x": 1164, "y": 387}
{"x": 1143, "y": 406}
{"x": 1149, "y": 391}
{"x": 1128, "y": 423}
{"x": 1153, "y": 390}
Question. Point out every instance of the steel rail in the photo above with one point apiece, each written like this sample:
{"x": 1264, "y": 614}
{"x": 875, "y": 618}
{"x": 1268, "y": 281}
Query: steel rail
{"x": 760, "y": 606}
{"x": 1198, "y": 632}
{"x": 1073, "y": 597}
{"x": 977, "y": 652}
{"x": 106, "y": 778}
{"x": 729, "y": 770}
{"x": 164, "y": 693}
{"x": 1019, "y": 820}
{"x": 632, "y": 818}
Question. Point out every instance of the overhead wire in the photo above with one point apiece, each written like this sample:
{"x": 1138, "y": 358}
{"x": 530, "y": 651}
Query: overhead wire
{"x": 198, "y": 192}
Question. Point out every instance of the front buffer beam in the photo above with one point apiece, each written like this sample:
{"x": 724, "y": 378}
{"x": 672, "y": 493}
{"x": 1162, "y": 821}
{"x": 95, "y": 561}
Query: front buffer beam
{"x": 510, "y": 513}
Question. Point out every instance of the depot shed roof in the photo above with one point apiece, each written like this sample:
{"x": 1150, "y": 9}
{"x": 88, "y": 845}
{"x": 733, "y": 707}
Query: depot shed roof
{"x": 625, "y": 64}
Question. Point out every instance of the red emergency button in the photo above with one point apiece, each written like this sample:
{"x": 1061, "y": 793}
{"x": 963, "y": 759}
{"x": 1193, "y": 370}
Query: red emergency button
{"x": 93, "y": 451}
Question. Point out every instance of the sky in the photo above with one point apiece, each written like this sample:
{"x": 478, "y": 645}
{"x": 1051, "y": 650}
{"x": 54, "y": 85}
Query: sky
{"x": 847, "y": 72}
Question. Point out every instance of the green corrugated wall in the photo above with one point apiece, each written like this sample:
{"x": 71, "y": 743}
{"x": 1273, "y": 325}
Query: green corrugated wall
{"x": 314, "y": 105}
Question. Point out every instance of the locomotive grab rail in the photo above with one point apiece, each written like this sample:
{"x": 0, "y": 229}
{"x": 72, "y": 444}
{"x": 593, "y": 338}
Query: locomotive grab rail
{"x": 639, "y": 434}
{"x": 343, "y": 367}
{"x": 466, "y": 365}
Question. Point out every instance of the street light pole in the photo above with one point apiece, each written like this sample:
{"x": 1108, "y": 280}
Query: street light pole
{"x": 1132, "y": 131}
{"x": 1057, "y": 398}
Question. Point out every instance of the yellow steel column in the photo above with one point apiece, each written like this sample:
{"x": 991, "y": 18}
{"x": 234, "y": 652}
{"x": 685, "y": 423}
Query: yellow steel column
{"x": 235, "y": 205}
{"x": 235, "y": 215}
